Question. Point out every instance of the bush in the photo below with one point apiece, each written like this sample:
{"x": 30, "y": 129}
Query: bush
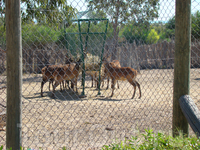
{"x": 38, "y": 34}
{"x": 150, "y": 140}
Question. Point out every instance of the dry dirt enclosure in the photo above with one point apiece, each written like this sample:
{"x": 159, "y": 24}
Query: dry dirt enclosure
{"x": 94, "y": 121}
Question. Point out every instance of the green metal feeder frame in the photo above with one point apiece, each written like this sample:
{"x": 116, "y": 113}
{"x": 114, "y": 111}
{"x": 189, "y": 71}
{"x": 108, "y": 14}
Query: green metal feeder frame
{"x": 86, "y": 42}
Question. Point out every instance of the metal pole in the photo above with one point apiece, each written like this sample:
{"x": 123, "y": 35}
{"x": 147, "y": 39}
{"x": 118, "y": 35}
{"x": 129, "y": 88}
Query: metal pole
{"x": 86, "y": 39}
{"x": 104, "y": 39}
{"x": 14, "y": 74}
{"x": 182, "y": 63}
{"x": 83, "y": 69}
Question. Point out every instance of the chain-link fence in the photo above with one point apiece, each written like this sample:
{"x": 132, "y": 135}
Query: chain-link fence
{"x": 71, "y": 45}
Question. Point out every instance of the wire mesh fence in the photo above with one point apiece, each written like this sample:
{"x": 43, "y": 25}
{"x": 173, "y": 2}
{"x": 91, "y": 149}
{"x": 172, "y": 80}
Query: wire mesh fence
{"x": 70, "y": 45}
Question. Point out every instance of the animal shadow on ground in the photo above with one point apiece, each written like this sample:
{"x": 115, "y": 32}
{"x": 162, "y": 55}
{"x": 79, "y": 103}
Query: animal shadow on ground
{"x": 65, "y": 95}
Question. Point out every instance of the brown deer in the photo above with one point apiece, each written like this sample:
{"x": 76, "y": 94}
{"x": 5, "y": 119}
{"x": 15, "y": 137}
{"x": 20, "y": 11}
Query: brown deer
{"x": 121, "y": 73}
{"x": 66, "y": 72}
{"x": 47, "y": 74}
{"x": 92, "y": 74}
{"x": 114, "y": 63}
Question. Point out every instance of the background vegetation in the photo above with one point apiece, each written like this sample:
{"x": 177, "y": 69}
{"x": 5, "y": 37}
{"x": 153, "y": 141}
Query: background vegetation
{"x": 45, "y": 25}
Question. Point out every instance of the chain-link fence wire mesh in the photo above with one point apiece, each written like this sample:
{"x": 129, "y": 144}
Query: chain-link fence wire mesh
{"x": 144, "y": 41}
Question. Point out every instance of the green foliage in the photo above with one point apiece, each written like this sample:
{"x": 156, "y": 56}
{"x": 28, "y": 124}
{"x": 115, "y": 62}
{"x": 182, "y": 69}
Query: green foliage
{"x": 51, "y": 12}
{"x": 170, "y": 28}
{"x": 134, "y": 33}
{"x": 196, "y": 25}
{"x": 96, "y": 14}
{"x": 153, "y": 37}
{"x": 70, "y": 37}
{"x": 2, "y": 35}
{"x": 171, "y": 23}
{"x": 38, "y": 34}
{"x": 123, "y": 11}
{"x": 47, "y": 11}
{"x": 150, "y": 140}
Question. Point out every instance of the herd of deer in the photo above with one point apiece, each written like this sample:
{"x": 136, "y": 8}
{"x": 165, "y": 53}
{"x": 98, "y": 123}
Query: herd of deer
{"x": 57, "y": 74}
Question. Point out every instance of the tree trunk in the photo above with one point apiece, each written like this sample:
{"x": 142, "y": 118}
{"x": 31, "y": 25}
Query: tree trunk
{"x": 115, "y": 33}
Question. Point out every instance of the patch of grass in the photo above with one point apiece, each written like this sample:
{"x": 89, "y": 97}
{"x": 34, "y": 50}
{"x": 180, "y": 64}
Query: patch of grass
{"x": 150, "y": 140}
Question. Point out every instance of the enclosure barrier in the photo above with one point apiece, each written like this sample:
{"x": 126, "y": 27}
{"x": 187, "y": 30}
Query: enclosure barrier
{"x": 191, "y": 112}
{"x": 140, "y": 47}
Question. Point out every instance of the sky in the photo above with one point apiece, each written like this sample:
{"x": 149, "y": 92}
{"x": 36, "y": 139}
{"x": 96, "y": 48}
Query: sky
{"x": 167, "y": 8}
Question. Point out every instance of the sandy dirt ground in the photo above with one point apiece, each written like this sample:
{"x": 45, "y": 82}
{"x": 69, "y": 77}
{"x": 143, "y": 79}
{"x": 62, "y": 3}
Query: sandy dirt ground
{"x": 91, "y": 122}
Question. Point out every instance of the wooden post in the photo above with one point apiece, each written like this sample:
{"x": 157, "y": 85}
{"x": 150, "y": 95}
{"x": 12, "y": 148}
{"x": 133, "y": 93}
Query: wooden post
{"x": 182, "y": 63}
{"x": 14, "y": 74}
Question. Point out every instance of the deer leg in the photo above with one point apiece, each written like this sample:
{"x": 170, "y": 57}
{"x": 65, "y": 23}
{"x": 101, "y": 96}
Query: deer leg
{"x": 42, "y": 84}
{"x": 102, "y": 80}
{"x": 54, "y": 88}
{"x": 108, "y": 82}
{"x": 133, "y": 83}
{"x": 92, "y": 80}
{"x": 50, "y": 83}
{"x": 72, "y": 84}
{"x": 68, "y": 84}
{"x": 63, "y": 83}
{"x": 60, "y": 86}
{"x": 113, "y": 86}
{"x": 138, "y": 88}
{"x": 75, "y": 80}
{"x": 134, "y": 91}
{"x": 118, "y": 84}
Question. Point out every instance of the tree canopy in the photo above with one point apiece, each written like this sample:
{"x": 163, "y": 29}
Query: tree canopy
{"x": 123, "y": 11}
{"x": 43, "y": 11}
{"x": 47, "y": 11}
{"x": 195, "y": 24}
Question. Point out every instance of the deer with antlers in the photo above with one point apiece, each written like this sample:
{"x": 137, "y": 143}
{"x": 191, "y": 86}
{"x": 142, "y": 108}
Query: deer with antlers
{"x": 121, "y": 73}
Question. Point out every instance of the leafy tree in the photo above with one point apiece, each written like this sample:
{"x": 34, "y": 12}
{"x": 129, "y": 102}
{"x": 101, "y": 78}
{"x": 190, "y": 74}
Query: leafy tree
{"x": 196, "y": 25}
{"x": 72, "y": 41}
{"x": 47, "y": 11}
{"x": 170, "y": 28}
{"x": 34, "y": 34}
{"x": 171, "y": 23}
{"x": 135, "y": 33}
{"x": 43, "y": 11}
{"x": 153, "y": 37}
{"x": 96, "y": 14}
{"x": 120, "y": 11}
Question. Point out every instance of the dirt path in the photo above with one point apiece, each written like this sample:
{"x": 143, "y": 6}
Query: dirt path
{"x": 94, "y": 121}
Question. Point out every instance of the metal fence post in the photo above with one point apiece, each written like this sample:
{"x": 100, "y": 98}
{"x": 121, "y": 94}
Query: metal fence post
{"x": 14, "y": 74}
{"x": 181, "y": 63}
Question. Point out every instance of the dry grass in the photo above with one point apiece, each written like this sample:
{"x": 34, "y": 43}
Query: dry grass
{"x": 96, "y": 120}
